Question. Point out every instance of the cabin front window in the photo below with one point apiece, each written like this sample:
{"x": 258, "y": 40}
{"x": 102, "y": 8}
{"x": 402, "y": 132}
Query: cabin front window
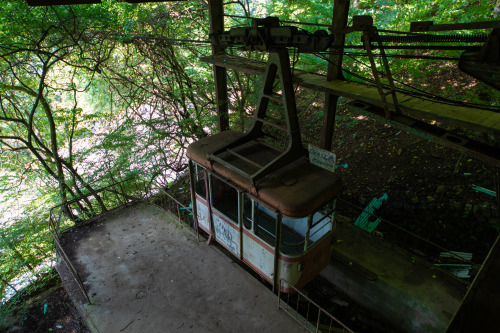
{"x": 295, "y": 231}
{"x": 293, "y": 235}
{"x": 262, "y": 218}
{"x": 297, "y": 234}
{"x": 225, "y": 199}
{"x": 321, "y": 223}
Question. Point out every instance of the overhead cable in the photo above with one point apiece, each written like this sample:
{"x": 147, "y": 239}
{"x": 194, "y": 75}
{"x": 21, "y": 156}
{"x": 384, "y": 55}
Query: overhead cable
{"x": 290, "y": 22}
{"x": 419, "y": 93}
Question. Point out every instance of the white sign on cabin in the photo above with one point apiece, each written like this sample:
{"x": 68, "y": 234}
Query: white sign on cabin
{"x": 322, "y": 158}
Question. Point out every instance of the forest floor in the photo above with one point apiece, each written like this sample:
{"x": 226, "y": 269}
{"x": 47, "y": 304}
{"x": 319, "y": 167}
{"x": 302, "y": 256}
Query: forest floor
{"x": 46, "y": 308}
{"x": 430, "y": 188}
{"x": 429, "y": 194}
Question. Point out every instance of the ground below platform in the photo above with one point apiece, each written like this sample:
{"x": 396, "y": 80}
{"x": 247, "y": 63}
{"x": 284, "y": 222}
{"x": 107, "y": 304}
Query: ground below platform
{"x": 58, "y": 316}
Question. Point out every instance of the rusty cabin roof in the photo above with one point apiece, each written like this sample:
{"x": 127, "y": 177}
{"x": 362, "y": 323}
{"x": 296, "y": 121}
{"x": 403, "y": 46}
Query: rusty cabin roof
{"x": 296, "y": 190}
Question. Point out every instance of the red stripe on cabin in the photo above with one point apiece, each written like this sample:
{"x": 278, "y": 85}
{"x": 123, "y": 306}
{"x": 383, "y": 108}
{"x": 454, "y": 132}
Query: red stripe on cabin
{"x": 270, "y": 249}
{"x": 259, "y": 241}
{"x": 225, "y": 219}
{"x": 264, "y": 276}
{"x": 207, "y": 231}
{"x": 199, "y": 197}
{"x": 288, "y": 259}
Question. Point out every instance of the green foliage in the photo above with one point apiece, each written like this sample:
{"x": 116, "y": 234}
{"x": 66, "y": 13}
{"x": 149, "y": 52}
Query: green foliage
{"x": 93, "y": 95}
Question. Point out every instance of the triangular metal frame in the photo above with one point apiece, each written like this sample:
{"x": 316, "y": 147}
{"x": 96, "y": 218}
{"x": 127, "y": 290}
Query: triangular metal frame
{"x": 278, "y": 63}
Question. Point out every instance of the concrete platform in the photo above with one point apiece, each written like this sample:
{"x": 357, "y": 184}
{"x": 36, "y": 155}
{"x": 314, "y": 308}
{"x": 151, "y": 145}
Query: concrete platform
{"x": 146, "y": 273}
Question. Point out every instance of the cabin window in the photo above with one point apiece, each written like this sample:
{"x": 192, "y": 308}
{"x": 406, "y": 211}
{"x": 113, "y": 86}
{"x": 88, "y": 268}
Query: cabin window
{"x": 225, "y": 199}
{"x": 199, "y": 178}
{"x": 294, "y": 230}
{"x": 322, "y": 223}
{"x": 247, "y": 212}
{"x": 293, "y": 235}
{"x": 265, "y": 224}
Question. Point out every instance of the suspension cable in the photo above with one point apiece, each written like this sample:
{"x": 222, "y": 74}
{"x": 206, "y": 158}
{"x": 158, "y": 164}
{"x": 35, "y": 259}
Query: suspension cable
{"x": 290, "y": 22}
{"x": 420, "y": 94}
{"x": 167, "y": 39}
{"x": 397, "y": 56}
{"x": 434, "y": 96}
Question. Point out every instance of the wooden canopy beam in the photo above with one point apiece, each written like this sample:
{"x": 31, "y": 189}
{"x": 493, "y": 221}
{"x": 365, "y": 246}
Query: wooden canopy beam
{"x": 413, "y": 108}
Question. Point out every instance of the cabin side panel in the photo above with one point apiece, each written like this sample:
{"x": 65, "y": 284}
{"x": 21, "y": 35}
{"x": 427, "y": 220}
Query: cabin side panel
{"x": 227, "y": 233}
{"x": 258, "y": 255}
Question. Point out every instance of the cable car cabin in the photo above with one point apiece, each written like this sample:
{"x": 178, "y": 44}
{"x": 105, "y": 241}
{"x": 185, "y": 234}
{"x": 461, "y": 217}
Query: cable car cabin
{"x": 282, "y": 227}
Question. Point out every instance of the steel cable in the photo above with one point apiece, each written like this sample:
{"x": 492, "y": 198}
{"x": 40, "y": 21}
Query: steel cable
{"x": 420, "y": 93}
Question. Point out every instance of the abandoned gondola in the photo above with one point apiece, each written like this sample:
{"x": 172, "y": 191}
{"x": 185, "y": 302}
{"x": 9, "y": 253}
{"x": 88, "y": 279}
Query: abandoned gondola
{"x": 283, "y": 227}
{"x": 265, "y": 202}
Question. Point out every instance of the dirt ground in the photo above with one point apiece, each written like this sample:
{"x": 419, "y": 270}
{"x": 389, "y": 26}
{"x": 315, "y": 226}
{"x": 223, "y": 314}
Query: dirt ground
{"x": 50, "y": 311}
{"x": 429, "y": 187}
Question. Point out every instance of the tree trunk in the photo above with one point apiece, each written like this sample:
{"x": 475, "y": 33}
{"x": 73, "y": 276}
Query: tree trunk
{"x": 18, "y": 254}
{"x": 8, "y": 284}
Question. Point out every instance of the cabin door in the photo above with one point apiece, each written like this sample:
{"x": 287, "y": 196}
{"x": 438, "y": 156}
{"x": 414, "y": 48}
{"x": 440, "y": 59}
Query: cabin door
{"x": 225, "y": 210}
{"x": 258, "y": 238}
{"x": 200, "y": 198}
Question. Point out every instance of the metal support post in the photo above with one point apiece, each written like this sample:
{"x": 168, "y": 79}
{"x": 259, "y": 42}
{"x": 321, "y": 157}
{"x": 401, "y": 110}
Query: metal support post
{"x": 276, "y": 276}
{"x": 334, "y": 71}
{"x": 216, "y": 13}
{"x": 192, "y": 182}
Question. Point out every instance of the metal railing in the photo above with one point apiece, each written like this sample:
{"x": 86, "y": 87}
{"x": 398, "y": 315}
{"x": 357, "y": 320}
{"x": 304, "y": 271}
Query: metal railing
{"x": 87, "y": 208}
{"x": 308, "y": 313}
{"x": 184, "y": 214}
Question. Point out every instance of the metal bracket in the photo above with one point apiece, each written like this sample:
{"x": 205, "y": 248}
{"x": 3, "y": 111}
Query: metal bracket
{"x": 266, "y": 34}
{"x": 278, "y": 63}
